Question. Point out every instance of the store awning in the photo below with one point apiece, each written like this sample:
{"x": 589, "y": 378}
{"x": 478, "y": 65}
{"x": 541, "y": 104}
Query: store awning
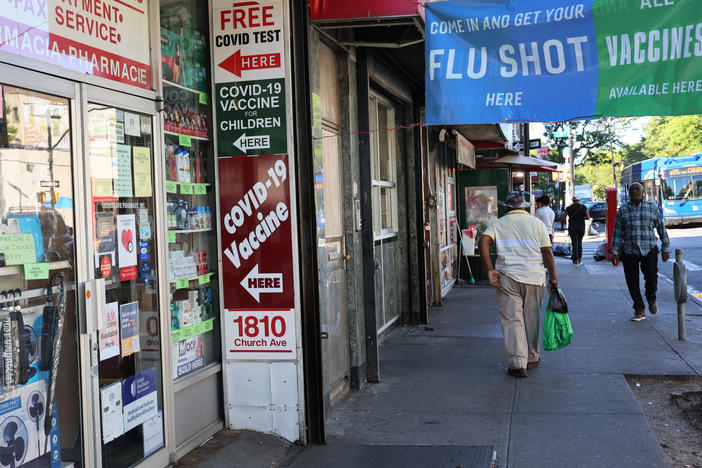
{"x": 526, "y": 163}
{"x": 369, "y": 23}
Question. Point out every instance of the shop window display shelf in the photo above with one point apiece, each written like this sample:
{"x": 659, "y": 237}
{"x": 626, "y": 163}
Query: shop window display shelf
{"x": 196, "y": 278}
{"x": 207, "y": 184}
{"x": 175, "y": 134}
{"x": 18, "y": 269}
{"x": 179, "y": 86}
{"x": 189, "y": 231}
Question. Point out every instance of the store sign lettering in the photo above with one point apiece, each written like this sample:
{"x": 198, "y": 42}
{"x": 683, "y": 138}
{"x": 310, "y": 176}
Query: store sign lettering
{"x": 253, "y": 199}
{"x": 106, "y": 38}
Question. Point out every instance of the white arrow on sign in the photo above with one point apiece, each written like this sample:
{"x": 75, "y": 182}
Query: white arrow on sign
{"x": 256, "y": 283}
{"x": 245, "y": 143}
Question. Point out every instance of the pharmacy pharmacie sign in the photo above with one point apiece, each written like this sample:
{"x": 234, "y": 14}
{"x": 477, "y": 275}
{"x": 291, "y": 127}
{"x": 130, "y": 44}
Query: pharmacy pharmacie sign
{"x": 106, "y": 38}
{"x": 249, "y": 77}
{"x": 556, "y": 60}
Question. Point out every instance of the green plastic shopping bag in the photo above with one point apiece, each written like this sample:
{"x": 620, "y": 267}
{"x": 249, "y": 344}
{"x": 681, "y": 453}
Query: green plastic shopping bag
{"x": 557, "y": 331}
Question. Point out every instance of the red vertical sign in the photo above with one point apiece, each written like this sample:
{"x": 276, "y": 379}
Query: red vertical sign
{"x": 255, "y": 224}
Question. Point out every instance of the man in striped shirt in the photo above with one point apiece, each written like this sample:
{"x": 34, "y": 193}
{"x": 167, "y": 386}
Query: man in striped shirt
{"x": 635, "y": 244}
{"x": 523, "y": 248}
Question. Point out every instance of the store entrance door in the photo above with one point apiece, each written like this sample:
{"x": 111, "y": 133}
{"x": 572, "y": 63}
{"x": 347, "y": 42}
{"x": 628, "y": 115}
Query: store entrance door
{"x": 124, "y": 217}
{"x": 331, "y": 235}
{"x": 40, "y": 270}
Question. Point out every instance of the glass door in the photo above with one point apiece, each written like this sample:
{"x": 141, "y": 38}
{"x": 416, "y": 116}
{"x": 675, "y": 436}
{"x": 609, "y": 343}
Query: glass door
{"x": 40, "y": 343}
{"x": 122, "y": 211}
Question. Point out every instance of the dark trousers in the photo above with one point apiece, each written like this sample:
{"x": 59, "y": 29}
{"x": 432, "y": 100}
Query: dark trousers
{"x": 649, "y": 267}
{"x": 576, "y": 236}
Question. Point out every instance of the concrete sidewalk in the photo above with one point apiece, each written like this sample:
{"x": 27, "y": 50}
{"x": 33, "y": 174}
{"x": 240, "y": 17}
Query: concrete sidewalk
{"x": 444, "y": 386}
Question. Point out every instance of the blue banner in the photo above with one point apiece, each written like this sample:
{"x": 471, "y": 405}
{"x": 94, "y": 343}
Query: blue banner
{"x": 490, "y": 62}
{"x": 494, "y": 61}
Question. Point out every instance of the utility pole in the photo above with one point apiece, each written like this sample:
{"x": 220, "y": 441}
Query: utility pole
{"x": 527, "y": 173}
{"x": 570, "y": 186}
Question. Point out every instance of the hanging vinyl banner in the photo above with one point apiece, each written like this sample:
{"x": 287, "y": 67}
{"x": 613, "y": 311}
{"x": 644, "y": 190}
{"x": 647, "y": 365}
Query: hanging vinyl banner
{"x": 558, "y": 60}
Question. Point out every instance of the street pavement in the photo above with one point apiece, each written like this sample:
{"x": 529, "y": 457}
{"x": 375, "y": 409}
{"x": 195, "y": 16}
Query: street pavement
{"x": 444, "y": 395}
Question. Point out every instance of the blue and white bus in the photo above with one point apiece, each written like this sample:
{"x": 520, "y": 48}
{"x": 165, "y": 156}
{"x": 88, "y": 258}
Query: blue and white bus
{"x": 675, "y": 184}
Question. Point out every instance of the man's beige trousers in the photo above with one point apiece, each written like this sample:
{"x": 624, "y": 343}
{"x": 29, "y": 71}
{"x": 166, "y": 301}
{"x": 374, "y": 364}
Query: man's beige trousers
{"x": 519, "y": 307}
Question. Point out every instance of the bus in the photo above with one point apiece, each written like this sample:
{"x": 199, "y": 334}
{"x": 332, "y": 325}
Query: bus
{"x": 675, "y": 184}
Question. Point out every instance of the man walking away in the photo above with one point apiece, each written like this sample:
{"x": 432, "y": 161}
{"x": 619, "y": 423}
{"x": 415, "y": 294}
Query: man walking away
{"x": 576, "y": 228}
{"x": 635, "y": 244}
{"x": 545, "y": 214}
{"x": 523, "y": 248}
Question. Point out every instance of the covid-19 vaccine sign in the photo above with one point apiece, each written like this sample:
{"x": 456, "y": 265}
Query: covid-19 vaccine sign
{"x": 256, "y": 220}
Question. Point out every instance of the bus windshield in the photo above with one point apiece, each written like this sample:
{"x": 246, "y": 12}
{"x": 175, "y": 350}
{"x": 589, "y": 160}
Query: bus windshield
{"x": 683, "y": 188}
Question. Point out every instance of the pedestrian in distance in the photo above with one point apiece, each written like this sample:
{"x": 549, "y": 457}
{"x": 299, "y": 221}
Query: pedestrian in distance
{"x": 545, "y": 214}
{"x": 523, "y": 248}
{"x": 634, "y": 244}
{"x": 576, "y": 228}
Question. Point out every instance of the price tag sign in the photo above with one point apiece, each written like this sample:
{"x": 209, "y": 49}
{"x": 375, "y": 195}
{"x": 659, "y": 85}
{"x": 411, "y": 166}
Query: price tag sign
{"x": 200, "y": 189}
{"x": 192, "y": 330}
{"x": 184, "y": 140}
{"x": 186, "y": 188}
{"x": 171, "y": 237}
{"x": 204, "y": 98}
{"x": 34, "y": 271}
{"x": 204, "y": 279}
{"x": 182, "y": 283}
{"x": 171, "y": 187}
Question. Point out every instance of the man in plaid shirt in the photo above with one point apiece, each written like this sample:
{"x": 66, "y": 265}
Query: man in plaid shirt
{"x": 635, "y": 244}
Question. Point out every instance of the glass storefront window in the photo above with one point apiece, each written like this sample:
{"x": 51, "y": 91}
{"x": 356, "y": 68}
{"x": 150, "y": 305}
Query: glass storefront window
{"x": 190, "y": 176}
{"x": 125, "y": 255}
{"x": 40, "y": 385}
{"x": 383, "y": 173}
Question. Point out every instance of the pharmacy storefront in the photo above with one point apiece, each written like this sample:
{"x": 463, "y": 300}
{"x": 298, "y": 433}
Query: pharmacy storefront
{"x": 109, "y": 285}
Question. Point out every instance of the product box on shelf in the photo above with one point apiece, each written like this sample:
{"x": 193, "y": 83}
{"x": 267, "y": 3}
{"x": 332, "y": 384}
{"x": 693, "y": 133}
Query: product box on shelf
{"x": 182, "y": 156}
{"x": 201, "y": 256}
{"x": 22, "y": 414}
{"x": 181, "y": 265}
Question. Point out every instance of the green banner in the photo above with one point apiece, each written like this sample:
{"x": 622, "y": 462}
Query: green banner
{"x": 650, "y": 57}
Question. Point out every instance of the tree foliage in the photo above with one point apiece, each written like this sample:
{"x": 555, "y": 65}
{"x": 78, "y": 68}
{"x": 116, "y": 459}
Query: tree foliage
{"x": 599, "y": 175}
{"x": 673, "y": 136}
{"x": 590, "y": 137}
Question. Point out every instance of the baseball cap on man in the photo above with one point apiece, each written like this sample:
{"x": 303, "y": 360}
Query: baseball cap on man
{"x": 514, "y": 200}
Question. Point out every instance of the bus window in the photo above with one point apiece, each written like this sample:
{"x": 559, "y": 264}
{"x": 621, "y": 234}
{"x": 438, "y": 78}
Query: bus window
{"x": 675, "y": 188}
{"x": 697, "y": 180}
{"x": 651, "y": 191}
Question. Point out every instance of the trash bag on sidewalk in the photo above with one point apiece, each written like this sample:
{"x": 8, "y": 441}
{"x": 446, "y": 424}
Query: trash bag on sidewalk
{"x": 558, "y": 331}
{"x": 562, "y": 250}
{"x": 601, "y": 252}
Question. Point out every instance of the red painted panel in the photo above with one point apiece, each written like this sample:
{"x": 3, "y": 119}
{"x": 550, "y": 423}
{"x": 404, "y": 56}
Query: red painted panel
{"x": 321, "y": 10}
{"x": 257, "y": 270}
{"x": 611, "y": 214}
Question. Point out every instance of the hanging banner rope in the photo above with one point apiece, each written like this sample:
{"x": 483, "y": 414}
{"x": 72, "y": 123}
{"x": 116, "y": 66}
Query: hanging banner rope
{"x": 550, "y": 60}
